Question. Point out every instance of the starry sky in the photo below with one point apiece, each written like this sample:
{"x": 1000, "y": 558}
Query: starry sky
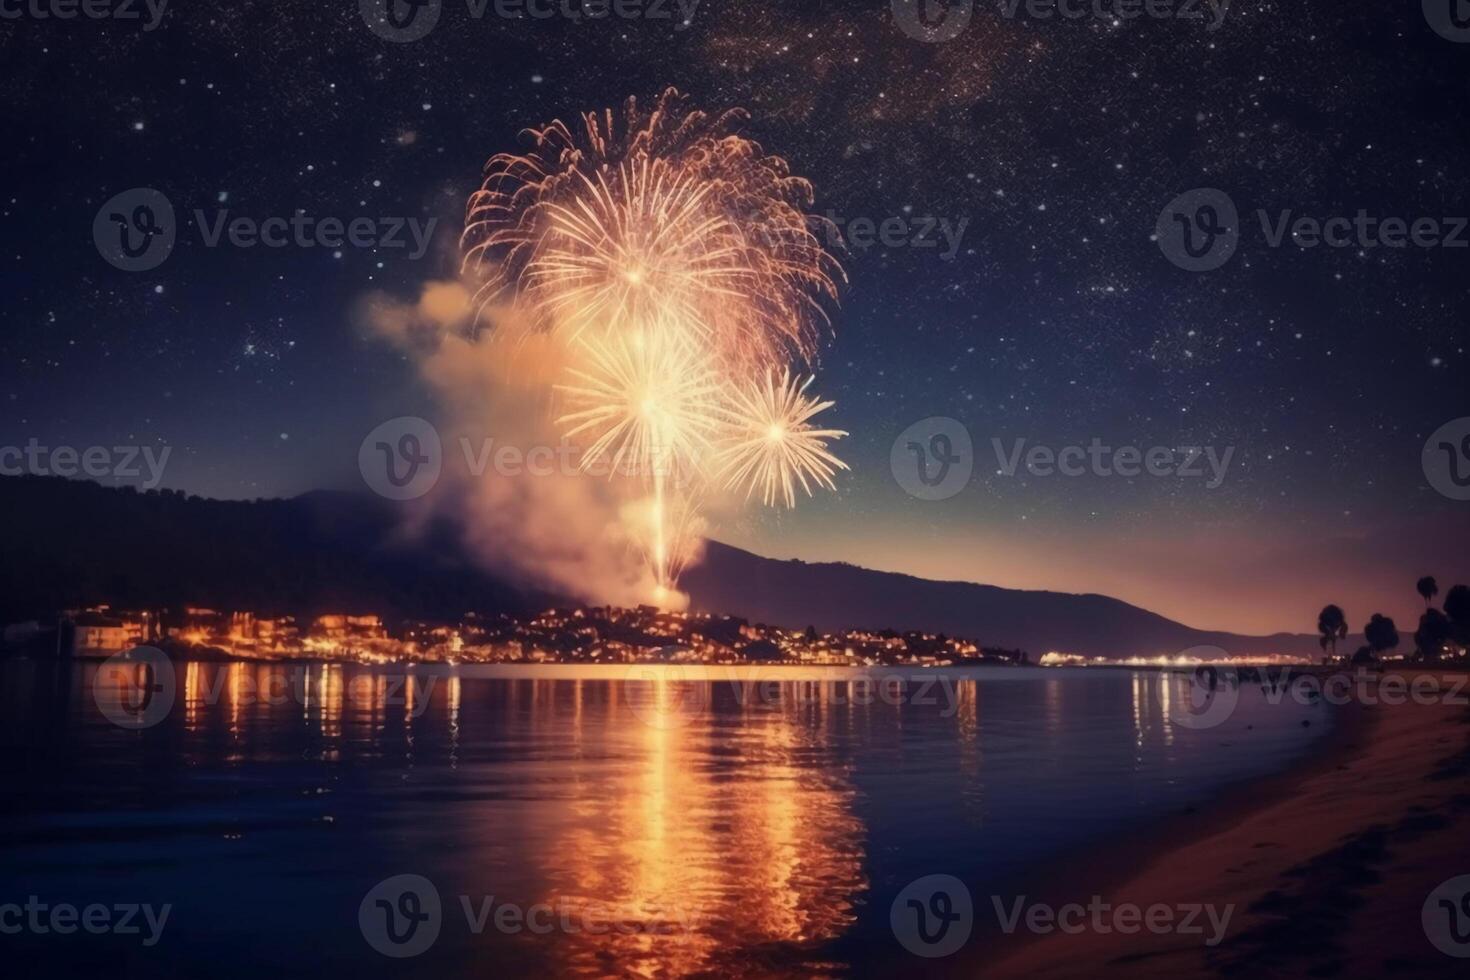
{"x": 1057, "y": 319}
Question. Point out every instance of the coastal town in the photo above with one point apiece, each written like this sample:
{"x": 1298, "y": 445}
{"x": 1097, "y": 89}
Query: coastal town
{"x": 590, "y": 635}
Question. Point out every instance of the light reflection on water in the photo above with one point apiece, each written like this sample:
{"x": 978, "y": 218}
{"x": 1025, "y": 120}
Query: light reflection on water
{"x": 755, "y": 823}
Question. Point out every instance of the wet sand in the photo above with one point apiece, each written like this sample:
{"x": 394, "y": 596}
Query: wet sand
{"x": 1327, "y": 866}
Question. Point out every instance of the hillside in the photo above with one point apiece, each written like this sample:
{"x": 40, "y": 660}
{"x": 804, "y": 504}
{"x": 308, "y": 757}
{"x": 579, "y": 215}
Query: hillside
{"x": 70, "y": 543}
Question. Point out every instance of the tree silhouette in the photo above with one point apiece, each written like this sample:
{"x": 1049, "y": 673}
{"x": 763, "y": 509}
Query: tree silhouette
{"x": 1457, "y": 608}
{"x": 1381, "y": 634}
{"x": 1428, "y": 588}
{"x": 1432, "y": 635}
{"x": 1332, "y": 624}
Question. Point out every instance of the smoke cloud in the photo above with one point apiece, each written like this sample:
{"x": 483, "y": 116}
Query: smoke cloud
{"x": 546, "y": 525}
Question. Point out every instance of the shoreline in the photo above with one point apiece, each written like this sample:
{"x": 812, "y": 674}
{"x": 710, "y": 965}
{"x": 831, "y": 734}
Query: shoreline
{"x": 1317, "y": 861}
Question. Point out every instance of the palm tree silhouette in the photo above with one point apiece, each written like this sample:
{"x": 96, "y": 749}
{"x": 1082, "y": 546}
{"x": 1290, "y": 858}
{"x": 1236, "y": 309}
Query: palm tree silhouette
{"x": 1428, "y": 588}
{"x": 1381, "y": 633}
{"x": 1432, "y": 635}
{"x": 1457, "y": 608}
{"x": 1332, "y": 624}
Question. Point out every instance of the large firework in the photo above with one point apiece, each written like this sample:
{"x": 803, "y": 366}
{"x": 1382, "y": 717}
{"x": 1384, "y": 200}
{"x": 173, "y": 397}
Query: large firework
{"x": 678, "y": 263}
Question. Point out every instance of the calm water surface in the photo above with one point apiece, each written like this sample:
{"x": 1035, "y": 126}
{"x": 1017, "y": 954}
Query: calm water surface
{"x": 667, "y": 821}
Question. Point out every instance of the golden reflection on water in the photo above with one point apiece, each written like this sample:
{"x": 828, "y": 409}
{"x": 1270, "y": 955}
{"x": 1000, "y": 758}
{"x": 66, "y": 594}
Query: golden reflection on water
{"x": 696, "y": 837}
{"x": 710, "y": 842}
{"x": 680, "y": 824}
{"x": 670, "y": 821}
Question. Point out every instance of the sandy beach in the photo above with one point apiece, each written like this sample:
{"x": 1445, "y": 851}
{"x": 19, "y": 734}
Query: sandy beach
{"x": 1327, "y": 866}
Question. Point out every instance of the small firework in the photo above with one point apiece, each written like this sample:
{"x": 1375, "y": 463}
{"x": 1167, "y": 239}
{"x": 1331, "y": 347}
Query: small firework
{"x": 647, "y": 400}
{"x": 773, "y": 446}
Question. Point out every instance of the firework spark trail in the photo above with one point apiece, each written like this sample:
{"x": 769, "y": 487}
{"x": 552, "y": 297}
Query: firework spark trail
{"x": 677, "y": 262}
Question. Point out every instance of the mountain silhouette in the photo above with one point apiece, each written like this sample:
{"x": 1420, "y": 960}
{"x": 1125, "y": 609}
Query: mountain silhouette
{"x": 836, "y": 595}
{"x": 72, "y": 543}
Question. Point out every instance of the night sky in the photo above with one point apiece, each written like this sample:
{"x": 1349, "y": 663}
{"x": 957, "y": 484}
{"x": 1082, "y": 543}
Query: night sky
{"x": 1058, "y": 319}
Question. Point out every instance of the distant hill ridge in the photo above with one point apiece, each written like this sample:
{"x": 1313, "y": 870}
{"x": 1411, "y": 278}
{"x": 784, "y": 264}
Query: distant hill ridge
{"x": 71, "y": 543}
{"x": 832, "y": 595}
